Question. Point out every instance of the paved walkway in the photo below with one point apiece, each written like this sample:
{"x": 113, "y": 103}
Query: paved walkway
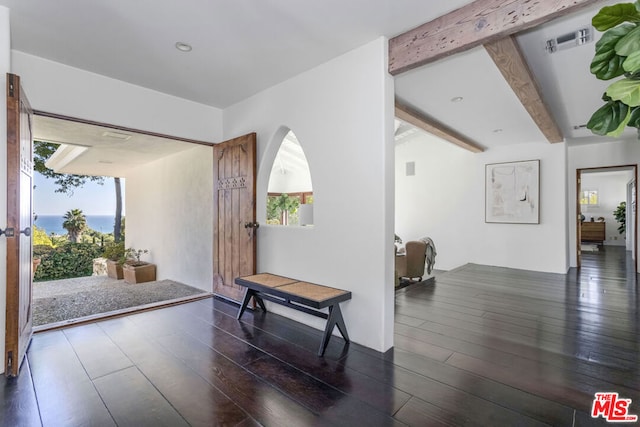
{"x": 61, "y": 300}
{"x": 54, "y": 288}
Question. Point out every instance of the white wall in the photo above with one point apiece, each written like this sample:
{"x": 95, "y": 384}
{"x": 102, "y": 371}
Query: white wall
{"x": 436, "y": 201}
{"x": 342, "y": 114}
{"x": 445, "y": 199}
{"x": 616, "y": 153}
{"x": 612, "y": 189}
{"x": 169, "y": 212}
{"x": 538, "y": 247}
{"x": 5, "y": 67}
{"x": 57, "y": 88}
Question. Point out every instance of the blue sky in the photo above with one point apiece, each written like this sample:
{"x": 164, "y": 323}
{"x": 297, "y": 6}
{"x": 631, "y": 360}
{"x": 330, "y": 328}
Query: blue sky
{"x": 92, "y": 199}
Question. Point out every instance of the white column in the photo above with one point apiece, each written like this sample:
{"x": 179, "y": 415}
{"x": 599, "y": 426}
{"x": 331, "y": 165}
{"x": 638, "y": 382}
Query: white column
{"x": 5, "y": 67}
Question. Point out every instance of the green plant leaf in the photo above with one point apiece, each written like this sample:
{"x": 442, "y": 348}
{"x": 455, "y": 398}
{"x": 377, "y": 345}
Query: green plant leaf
{"x": 616, "y": 132}
{"x": 630, "y": 43}
{"x": 610, "y": 16}
{"x": 632, "y": 63}
{"x": 634, "y": 120}
{"x": 626, "y": 91}
{"x": 606, "y": 63}
{"x": 608, "y": 118}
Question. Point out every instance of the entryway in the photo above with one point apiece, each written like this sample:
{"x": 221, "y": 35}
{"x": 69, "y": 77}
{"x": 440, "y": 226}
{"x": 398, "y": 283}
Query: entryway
{"x": 606, "y": 214}
{"x": 95, "y": 149}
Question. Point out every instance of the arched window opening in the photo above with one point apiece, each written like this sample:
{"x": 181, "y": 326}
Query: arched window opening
{"x": 290, "y": 193}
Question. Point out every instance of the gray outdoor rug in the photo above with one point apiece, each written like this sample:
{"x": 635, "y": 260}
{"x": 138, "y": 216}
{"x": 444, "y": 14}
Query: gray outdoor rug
{"x": 61, "y": 300}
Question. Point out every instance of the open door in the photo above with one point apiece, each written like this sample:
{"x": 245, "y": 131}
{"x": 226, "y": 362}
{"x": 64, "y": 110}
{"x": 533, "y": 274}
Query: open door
{"x": 19, "y": 224}
{"x": 234, "y": 226}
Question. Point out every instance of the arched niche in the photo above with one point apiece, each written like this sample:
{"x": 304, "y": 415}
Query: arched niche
{"x": 290, "y": 192}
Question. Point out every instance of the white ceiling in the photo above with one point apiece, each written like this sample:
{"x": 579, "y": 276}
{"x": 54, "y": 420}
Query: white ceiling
{"x": 290, "y": 157}
{"x": 290, "y": 171}
{"x": 243, "y": 47}
{"x": 239, "y": 47}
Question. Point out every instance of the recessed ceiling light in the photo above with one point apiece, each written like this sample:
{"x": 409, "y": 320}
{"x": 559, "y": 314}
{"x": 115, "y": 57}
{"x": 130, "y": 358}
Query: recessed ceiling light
{"x": 457, "y": 99}
{"x": 183, "y": 47}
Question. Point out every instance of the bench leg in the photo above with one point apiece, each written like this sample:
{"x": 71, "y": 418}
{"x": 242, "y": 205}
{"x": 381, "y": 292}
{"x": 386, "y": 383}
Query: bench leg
{"x": 248, "y": 293}
{"x": 257, "y": 299}
{"x": 335, "y": 319}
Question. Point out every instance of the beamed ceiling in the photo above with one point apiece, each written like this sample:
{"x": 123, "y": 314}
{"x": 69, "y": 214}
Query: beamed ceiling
{"x": 489, "y": 55}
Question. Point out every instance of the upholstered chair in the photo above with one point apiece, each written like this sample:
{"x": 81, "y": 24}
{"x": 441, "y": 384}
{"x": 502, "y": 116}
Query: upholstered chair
{"x": 411, "y": 265}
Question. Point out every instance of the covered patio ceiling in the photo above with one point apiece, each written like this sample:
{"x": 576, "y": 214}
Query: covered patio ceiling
{"x": 90, "y": 149}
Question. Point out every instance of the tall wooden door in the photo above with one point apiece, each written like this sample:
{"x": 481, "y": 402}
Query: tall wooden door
{"x": 234, "y": 228}
{"x": 19, "y": 224}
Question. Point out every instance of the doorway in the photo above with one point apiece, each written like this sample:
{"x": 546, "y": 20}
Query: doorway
{"x": 606, "y": 213}
{"x": 98, "y": 149}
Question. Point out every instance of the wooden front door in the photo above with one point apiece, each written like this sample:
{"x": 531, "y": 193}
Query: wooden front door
{"x": 19, "y": 224}
{"x": 234, "y": 227}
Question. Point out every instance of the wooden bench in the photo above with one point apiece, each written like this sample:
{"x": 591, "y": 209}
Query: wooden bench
{"x": 302, "y": 296}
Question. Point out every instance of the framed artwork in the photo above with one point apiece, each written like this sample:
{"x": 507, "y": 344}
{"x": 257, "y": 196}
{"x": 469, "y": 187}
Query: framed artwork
{"x": 512, "y": 192}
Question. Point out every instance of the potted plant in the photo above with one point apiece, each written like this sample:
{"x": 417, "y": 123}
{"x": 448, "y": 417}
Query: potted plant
{"x": 115, "y": 256}
{"x": 135, "y": 270}
{"x": 617, "y": 55}
{"x": 621, "y": 216}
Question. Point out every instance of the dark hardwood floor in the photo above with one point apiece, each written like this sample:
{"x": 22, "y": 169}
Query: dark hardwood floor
{"x": 478, "y": 345}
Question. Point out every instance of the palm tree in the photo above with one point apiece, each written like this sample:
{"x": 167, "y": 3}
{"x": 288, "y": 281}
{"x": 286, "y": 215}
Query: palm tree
{"x": 75, "y": 223}
{"x": 117, "y": 227}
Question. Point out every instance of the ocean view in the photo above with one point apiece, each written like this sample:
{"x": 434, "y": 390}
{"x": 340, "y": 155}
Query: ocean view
{"x": 53, "y": 223}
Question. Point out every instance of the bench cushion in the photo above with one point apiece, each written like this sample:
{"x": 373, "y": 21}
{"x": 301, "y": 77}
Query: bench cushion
{"x": 310, "y": 294}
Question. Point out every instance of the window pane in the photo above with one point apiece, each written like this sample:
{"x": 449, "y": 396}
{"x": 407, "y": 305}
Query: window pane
{"x": 589, "y": 197}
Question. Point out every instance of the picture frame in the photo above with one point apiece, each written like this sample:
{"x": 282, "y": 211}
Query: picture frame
{"x": 512, "y": 192}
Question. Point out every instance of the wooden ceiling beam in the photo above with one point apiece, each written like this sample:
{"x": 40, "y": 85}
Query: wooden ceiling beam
{"x": 477, "y": 23}
{"x": 509, "y": 59}
{"x": 420, "y": 120}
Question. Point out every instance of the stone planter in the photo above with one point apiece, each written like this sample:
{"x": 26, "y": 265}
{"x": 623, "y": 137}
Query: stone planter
{"x": 114, "y": 270}
{"x": 139, "y": 273}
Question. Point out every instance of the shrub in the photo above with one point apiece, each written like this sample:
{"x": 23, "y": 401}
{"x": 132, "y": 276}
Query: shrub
{"x": 66, "y": 261}
{"x": 40, "y": 237}
{"x": 115, "y": 252}
{"x": 40, "y": 251}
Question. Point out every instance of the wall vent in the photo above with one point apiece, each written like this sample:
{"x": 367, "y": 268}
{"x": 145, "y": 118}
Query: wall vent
{"x": 116, "y": 135}
{"x": 569, "y": 40}
{"x": 410, "y": 168}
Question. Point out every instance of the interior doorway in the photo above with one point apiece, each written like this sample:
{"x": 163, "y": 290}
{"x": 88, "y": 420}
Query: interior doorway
{"x": 606, "y": 212}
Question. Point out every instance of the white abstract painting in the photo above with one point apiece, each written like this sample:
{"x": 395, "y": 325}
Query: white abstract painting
{"x": 513, "y": 192}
